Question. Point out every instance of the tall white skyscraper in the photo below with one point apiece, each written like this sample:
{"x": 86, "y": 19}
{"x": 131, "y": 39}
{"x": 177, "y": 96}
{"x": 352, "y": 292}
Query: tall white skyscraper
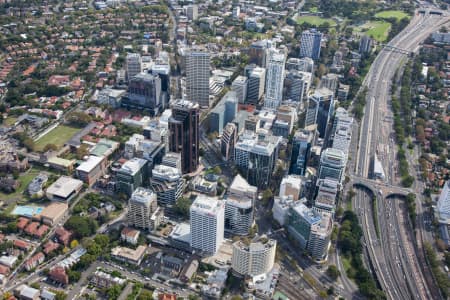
{"x": 133, "y": 65}
{"x": 207, "y": 224}
{"x": 274, "y": 79}
{"x": 197, "y": 76}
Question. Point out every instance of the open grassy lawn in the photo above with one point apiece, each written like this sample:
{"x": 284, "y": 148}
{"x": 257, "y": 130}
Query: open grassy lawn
{"x": 346, "y": 263}
{"x": 57, "y": 136}
{"x": 398, "y": 14}
{"x": 25, "y": 179}
{"x": 378, "y": 30}
{"x": 10, "y": 121}
{"x": 314, "y": 20}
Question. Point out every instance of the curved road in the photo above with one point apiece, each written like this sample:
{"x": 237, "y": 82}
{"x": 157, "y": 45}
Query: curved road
{"x": 392, "y": 255}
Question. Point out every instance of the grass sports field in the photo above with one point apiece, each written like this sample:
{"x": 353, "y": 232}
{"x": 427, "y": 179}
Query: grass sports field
{"x": 57, "y": 136}
{"x": 378, "y": 30}
{"x": 314, "y": 20}
{"x": 398, "y": 14}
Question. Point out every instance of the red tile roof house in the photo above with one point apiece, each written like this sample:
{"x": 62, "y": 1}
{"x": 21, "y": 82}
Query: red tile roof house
{"x": 22, "y": 245}
{"x": 34, "y": 261}
{"x": 63, "y": 235}
{"x": 4, "y": 270}
{"x": 59, "y": 80}
{"x": 50, "y": 247}
{"x": 41, "y": 231}
{"x": 59, "y": 274}
{"x": 31, "y": 229}
{"x": 22, "y": 223}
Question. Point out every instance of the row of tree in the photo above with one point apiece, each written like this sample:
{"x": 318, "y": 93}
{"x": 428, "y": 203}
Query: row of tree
{"x": 349, "y": 242}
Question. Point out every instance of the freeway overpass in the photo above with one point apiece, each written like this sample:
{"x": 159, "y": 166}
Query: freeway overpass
{"x": 381, "y": 189}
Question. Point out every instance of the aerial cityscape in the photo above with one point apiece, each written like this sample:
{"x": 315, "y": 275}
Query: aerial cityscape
{"x": 197, "y": 149}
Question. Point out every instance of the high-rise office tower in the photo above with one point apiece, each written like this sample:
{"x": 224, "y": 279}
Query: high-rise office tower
{"x": 301, "y": 146}
{"x": 341, "y": 117}
{"x": 141, "y": 206}
{"x": 133, "y": 65}
{"x": 258, "y": 52}
{"x": 310, "y": 229}
{"x": 256, "y": 155}
{"x": 228, "y": 141}
{"x": 184, "y": 133}
{"x": 207, "y": 224}
{"x": 342, "y": 138}
{"x": 329, "y": 81}
{"x": 304, "y": 64}
{"x": 239, "y": 86}
{"x": 197, "y": 76}
{"x": 144, "y": 92}
{"x": 161, "y": 67}
{"x": 224, "y": 112}
{"x": 325, "y": 200}
{"x": 256, "y": 258}
{"x": 291, "y": 185}
{"x": 239, "y": 206}
{"x": 256, "y": 84}
{"x": 365, "y": 44}
{"x": 310, "y": 44}
{"x": 192, "y": 12}
{"x": 236, "y": 12}
{"x": 297, "y": 85}
{"x": 168, "y": 183}
{"x": 332, "y": 164}
{"x": 320, "y": 109}
{"x": 274, "y": 79}
{"x": 132, "y": 175}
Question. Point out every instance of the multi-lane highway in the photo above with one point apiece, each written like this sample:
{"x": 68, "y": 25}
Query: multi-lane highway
{"x": 392, "y": 254}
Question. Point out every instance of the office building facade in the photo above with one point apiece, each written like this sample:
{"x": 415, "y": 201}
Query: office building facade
{"x": 332, "y": 164}
{"x": 168, "y": 184}
{"x": 255, "y": 258}
{"x": 133, "y": 65}
{"x": 274, "y": 79}
{"x": 310, "y": 43}
{"x": 239, "y": 207}
{"x": 297, "y": 85}
{"x": 197, "y": 76}
{"x": 320, "y": 110}
{"x": 228, "y": 141}
{"x": 144, "y": 92}
{"x": 132, "y": 175}
{"x": 141, "y": 206}
{"x": 184, "y": 134}
{"x": 239, "y": 86}
{"x": 207, "y": 224}
{"x": 256, "y": 157}
{"x": 256, "y": 84}
{"x": 301, "y": 147}
{"x": 304, "y": 64}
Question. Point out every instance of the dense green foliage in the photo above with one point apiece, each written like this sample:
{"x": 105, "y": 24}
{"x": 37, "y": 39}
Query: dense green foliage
{"x": 441, "y": 278}
{"x": 349, "y": 242}
{"x": 81, "y": 226}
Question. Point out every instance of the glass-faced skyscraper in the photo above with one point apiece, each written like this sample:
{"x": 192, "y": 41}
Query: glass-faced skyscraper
{"x": 310, "y": 44}
{"x": 184, "y": 133}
